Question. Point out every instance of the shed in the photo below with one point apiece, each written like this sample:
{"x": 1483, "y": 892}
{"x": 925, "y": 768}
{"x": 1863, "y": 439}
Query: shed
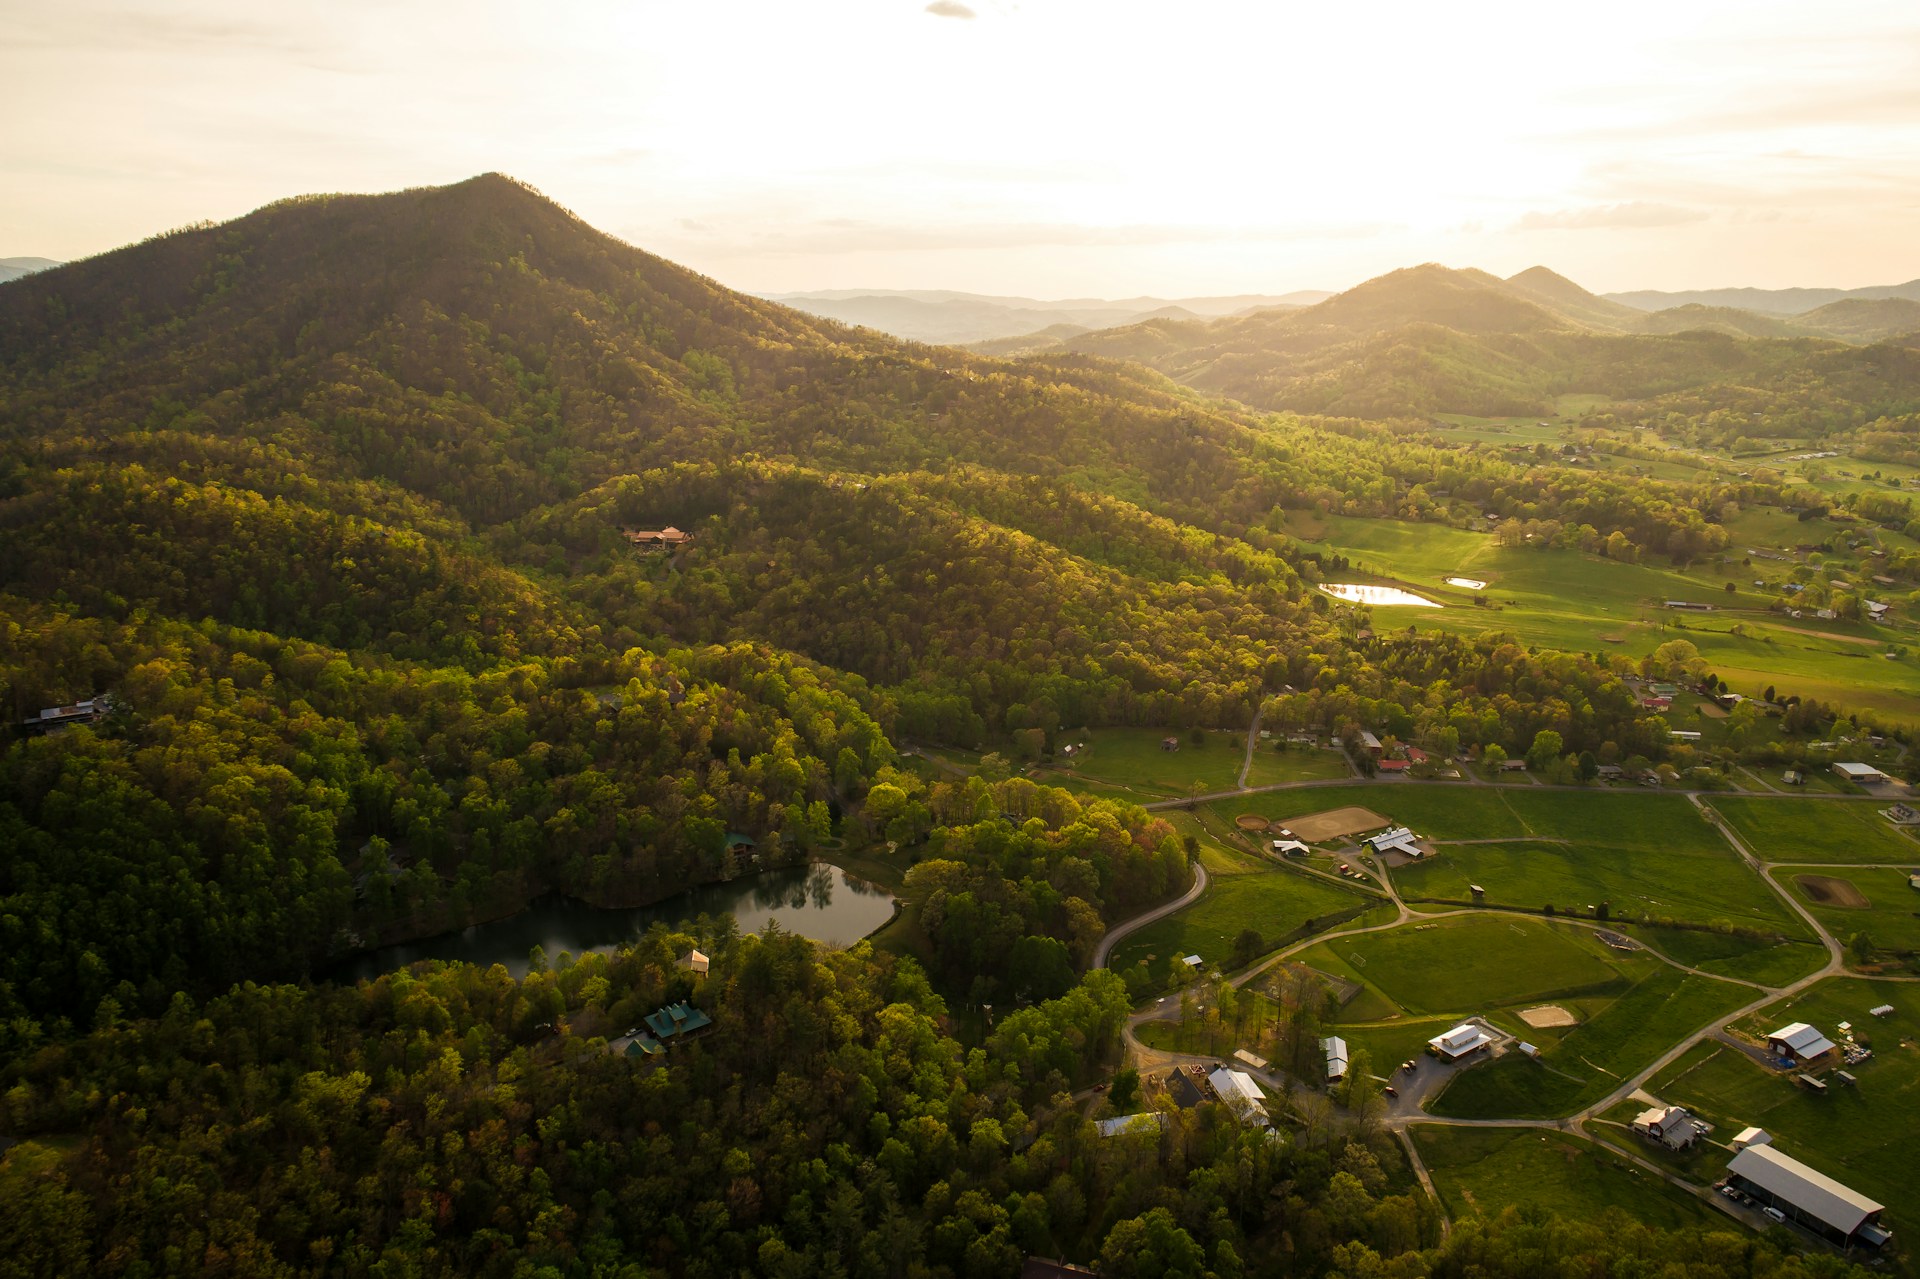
{"x": 695, "y": 962}
{"x": 1884, "y": 1010}
{"x": 1529, "y": 1050}
{"x": 1258, "y": 1063}
{"x": 1193, "y": 962}
{"x": 1337, "y": 1057}
{"x": 1751, "y": 1137}
{"x": 1371, "y": 744}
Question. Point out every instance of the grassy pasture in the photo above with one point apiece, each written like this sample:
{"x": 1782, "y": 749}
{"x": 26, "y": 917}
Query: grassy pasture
{"x": 1131, "y": 759}
{"x": 1272, "y": 902}
{"x": 1863, "y": 1136}
{"x": 1647, "y": 878}
{"x": 1891, "y": 916}
{"x": 1473, "y": 963}
{"x": 1827, "y": 830}
{"x": 1587, "y": 603}
{"x": 1296, "y": 764}
{"x": 1731, "y": 956}
{"x": 1594, "y": 1058}
{"x": 1481, "y": 1171}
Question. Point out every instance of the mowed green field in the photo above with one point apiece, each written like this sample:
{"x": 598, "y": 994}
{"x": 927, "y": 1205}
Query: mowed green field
{"x": 1651, "y": 879}
{"x": 1297, "y": 764}
{"x": 1481, "y": 1171}
{"x": 1474, "y": 963}
{"x": 1596, "y": 1057}
{"x": 1119, "y": 760}
{"x": 1822, "y": 830}
{"x": 1865, "y": 1136}
{"x": 1892, "y": 914}
{"x": 1726, "y": 955}
{"x": 1272, "y": 901}
{"x": 1587, "y": 603}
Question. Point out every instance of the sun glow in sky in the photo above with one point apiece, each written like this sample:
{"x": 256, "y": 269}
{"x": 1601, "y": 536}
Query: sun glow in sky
{"x": 1040, "y": 147}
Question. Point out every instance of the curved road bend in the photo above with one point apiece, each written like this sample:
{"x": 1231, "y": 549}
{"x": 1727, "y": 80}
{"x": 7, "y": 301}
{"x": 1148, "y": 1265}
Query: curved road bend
{"x": 1138, "y": 922}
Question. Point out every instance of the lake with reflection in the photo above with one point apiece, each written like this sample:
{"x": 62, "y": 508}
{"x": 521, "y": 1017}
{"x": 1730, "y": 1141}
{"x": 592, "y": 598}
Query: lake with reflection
{"x": 818, "y": 901}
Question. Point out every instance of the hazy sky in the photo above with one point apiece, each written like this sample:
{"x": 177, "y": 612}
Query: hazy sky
{"x": 1042, "y": 147}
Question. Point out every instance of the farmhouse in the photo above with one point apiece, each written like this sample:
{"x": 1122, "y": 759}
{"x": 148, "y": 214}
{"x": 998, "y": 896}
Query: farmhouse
{"x": 1237, "y": 1089}
{"x": 1799, "y": 1043}
{"x": 1751, "y": 1137}
{"x": 676, "y": 1022}
{"x": 1810, "y": 1198}
{"x": 1336, "y": 1051}
{"x": 1610, "y": 772}
{"x": 1860, "y": 773}
{"x": 1513, "y": 765}
{"x": 1185, "y": 1093}
{"x": 665, "y": 539}
{"x": 1393, "y": 765}
{"x": 1397, "y": 840}
{"x": 1671, "y": 1126}
{"x": 1462, "y": 1041}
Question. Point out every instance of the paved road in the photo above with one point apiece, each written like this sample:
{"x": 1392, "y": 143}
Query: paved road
{"x": 1138, "y": 922}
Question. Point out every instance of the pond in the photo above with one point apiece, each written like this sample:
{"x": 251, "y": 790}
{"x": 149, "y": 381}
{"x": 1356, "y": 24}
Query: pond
{"x": 818, "y": 901}
{"x": 1364, "y": 594}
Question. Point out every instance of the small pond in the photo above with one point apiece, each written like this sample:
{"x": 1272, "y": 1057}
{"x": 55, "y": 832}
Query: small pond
{"x": 1365, "y": 594}
{"x": 818, "y": 901}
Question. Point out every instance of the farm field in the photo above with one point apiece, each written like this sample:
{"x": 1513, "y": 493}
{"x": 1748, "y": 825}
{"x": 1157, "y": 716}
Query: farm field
{"x": 1676, "y": 880}
{"x": 1877, "y": 902}
{"x": 1573, "y": 600}
{"x": 1273, "y": 902}
{"x": 1475, "y": 963}
{"x": 1595, "y": 1057}
{"x": 1863, "y": 1136}
{"x": 1833, "y": 830}
{"x": 1727, "y": 955}
{"x": 1133, "y": 760}
{"x": 1480, "y": 1171}
{"x": 1295, "y": 765}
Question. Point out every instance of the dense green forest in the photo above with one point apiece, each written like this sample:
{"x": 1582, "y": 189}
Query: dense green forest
{"x": 331, "y": 503}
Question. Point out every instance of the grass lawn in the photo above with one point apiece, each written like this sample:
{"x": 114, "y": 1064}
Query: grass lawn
{"x": 1481, "y": 1171}
{"x": 1768, "y": 963}
{"x": 1295, "y": 764}
{"x": 1823, "y": 830}
{"x": 1675, "y": 878}
{"x": 1596, "y": 1057}
{"x": 1892, "y": 914}
{"x": 1132, "y": 759}
{"x": 1273, "y": 902}
{"x": 1392, "y": 1042}
{"x": 1865, "y": 1136}
{"x": 1473, "y": 963}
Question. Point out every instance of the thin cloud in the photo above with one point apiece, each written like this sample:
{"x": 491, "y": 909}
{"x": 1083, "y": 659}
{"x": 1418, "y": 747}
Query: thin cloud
{"x": 1633, "y": 214}
{"x": 950, "y": 9}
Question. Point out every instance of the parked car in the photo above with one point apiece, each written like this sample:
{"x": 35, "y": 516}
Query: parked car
{"x": 1408, "y": 1064}
{"x": 1391, "y": 1091}
{"x": 1774, "y": 1213}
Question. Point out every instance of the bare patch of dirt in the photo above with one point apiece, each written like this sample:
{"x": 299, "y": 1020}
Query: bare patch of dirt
{"x": 1548, "y": 1015}
{"x": 1832, "y": 892}
{"x": 1317, "y": 828}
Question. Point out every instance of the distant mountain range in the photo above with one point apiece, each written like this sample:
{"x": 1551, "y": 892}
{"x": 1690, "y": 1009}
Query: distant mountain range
{"x": 951, "y": 318}
{"x": 1765, "y": 301}
{"x": 14, "y": 268}
{"x": 1430, "y": 339}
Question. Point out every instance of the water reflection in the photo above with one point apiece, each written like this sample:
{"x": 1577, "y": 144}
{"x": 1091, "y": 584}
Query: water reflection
{"x": 818, "y": 901}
